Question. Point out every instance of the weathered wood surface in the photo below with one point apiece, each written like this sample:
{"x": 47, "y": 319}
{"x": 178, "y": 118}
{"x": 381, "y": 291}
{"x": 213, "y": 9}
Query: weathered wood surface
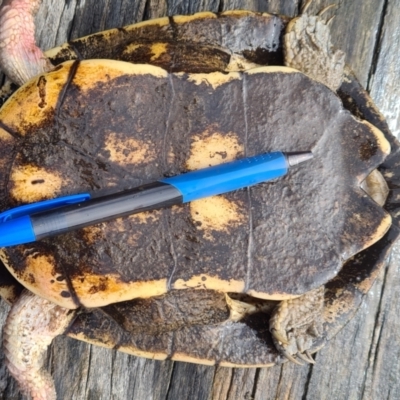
{"x": 362, "y": 361}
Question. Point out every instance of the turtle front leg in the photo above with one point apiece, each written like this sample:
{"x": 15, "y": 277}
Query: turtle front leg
{"x": 31, "y": 326}
{"x": 20, "y": 58}
{"x": 308, "y": 48}
{"x": 296, "y": 323}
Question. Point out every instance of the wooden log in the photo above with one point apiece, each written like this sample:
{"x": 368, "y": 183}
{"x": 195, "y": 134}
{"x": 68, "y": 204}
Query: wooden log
{"x": 361, "y": 362}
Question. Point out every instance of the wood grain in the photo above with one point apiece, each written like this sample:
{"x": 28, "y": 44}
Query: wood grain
{"x": 361, "y": 362}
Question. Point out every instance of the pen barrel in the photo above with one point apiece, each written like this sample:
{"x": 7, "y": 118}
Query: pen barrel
{"x": 230, "y": 176}
{"x": 143, "y": 198}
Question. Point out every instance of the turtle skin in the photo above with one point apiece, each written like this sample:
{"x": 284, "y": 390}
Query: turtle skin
{"x": 252, "y": 327}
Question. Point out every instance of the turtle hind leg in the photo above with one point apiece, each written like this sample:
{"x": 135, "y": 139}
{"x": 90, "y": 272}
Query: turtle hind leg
{"x": 20, "y": 58}
{"x": 296, "y": 324}
{"x": 31, "y": 325}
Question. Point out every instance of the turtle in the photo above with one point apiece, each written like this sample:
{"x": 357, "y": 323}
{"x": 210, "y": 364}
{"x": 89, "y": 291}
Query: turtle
{"x": 203, "y": 245}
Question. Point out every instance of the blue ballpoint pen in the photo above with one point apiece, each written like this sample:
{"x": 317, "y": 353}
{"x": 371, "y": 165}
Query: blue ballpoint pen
{"x": 36, "y": 221}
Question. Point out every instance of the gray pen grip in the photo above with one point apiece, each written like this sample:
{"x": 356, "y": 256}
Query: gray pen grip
{"x": 64, "y": 219}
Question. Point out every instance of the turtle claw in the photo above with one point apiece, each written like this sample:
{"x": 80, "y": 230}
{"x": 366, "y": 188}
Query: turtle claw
{"x": 291, "y": 358}
{"x": 325, "y": 9}
{"x": 305, "y": 6}
{"x": 306, "y": 357}
{"x": 307, "y": 353}
{"x": 329, "y": 22}
{"x": 279, "y": 336}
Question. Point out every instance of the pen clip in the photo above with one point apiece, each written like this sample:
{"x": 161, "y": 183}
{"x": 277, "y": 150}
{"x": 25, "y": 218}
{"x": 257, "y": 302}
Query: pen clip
{"x": 32, "y": 208}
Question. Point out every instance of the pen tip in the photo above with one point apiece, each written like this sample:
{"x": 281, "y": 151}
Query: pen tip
{"x": 298, "y": 157}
